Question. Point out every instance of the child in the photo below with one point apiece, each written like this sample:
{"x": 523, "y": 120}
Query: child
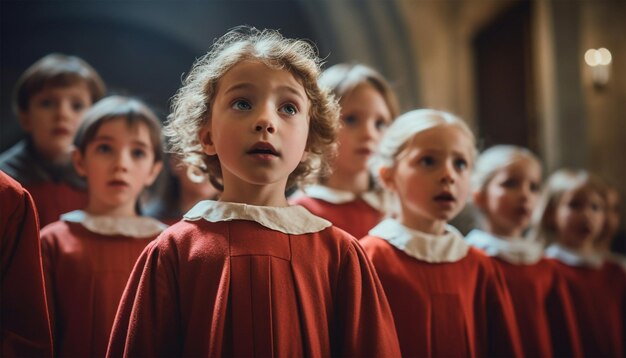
{"x": 571, "y": 214}
{"x": 184, "y": 186}
{"x": 348, "y": 197}
{"x": 506, "y": 182}
{"x": 24, "y": 316}
{"x": 89, "y": 254}
{"x": 249, "y": 275}
{"x": 50, "y": 99}
{"x": 611, "y": 225}
{"x": 447, "y": 298}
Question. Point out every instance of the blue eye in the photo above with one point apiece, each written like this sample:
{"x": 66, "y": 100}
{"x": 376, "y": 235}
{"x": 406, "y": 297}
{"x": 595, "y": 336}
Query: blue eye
{"x": 103, "y": 148}
{"x": 241, "y": 105}
{"x": 460, "y": 164}
{"x": 381, "y": 124}
{"x": 290, "y": 109}
{"x": 427, "y": 161}
{"x": 350, "y": 120}
{"x": 138, "y": 153}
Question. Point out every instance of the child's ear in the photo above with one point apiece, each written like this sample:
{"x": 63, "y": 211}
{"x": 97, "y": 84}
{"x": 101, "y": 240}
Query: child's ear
{"x": 206, "y": 140}
{"x": 386, "y": 177}
{"x": 156, "y": 169}
{"x": 79, "y": 162}
{"x": 24, "y": 119}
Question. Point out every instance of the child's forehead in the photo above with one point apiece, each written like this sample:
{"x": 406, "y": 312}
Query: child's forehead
{"x": 78, "y": 86}
{"x": 251, "y": 71}
{"x": 442, "y": 137}
{"x": 120, "y": 126}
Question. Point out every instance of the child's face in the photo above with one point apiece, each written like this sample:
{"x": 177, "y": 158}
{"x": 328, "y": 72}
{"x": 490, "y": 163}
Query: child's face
{"x": 119, "y": 164}
{"x": 611, "y": 224}
{"x": 53, "y": 117}
{"x": 510, "y": 197}
{"x": 432, "y": 175}
{"x": 365, "y": 116}
{"x": 259, "y": 127}
{"x": 579, "y": 217}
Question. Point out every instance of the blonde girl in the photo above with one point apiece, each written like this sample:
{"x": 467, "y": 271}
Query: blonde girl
{"x": 570, "y": 216}
{"x": 349, "y": 197}
{"x": 249, "y": 275}
{"x": 447, "y": 298}
{"x": 506, "y": 185}
{"x": 88, "y": 255}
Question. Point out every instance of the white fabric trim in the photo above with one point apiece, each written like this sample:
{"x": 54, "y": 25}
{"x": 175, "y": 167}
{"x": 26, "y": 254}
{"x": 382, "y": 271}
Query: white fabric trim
{"x": 336, "y": 196}
{"x": 517, "y": 251}
{"x": 138, "y": 227}
{"x": 294, "y": 220}
{"x": 449, "y": 247}
{"x": 572, "y": 258}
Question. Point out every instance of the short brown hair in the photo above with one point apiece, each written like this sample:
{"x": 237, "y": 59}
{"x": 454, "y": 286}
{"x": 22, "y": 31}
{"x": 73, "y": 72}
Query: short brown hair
{"x": 56, "y": 70}
{"x": 132, "y": 110}
{"x": 191, "y": 106}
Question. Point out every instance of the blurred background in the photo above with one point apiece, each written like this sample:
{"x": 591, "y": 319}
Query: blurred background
{"x": 546, "y": 74}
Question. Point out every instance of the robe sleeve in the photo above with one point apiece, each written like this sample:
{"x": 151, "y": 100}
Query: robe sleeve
{"x": 503, "y": 334}
{"x": 24, "y": 314}
{"x": 565, "y": 338}
{"x": 147, "y": 323}
{"x": 365, "y": 325}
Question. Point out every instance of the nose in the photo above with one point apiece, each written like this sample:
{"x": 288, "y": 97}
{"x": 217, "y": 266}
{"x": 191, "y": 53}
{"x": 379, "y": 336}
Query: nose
{"x": 266, "y": 121}
{"x": 368, "y": 130}
{"x": 64, "y": 109}
{"x": 448, "y": 174}
{"x": 122, "y": 161}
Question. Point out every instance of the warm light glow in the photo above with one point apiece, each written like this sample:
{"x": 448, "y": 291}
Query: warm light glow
{"x": 591, "y": 57}
{"x": 604, "y": 55}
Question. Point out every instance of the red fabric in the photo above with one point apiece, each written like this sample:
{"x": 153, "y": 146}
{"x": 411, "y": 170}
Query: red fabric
{"x": 356, "y": 217}
{"x": 237, "y": 288}
{"x": 53, "y": 199}
{"x": 459, "y": 309}
{"x": 543, "y": 309}
{"x": 24, "y": 314}
{"x": 599, "y": 299}
{"x": 85, "y": 277}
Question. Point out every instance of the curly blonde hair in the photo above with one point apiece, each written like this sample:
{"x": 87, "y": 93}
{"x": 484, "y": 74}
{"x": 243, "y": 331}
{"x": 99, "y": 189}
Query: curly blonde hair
{"x": 191, "y": 105}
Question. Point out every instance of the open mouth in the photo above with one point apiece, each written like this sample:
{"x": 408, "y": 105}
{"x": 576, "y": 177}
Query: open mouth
{"x": 263, "y": 149}
{"x": 117, "y": 183}
{"x": 445, "y": 198}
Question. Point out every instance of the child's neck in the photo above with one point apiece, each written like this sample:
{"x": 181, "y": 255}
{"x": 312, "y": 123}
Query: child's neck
{"x": 100, "y": 209}
{"x": 585, "y": 248}
{"x": 259, "y": 195}
{"x": 502, "y": 232}
{"x": 188, "y": 200}
{"x": 419, "y": 223}
{"x": 356, "y": 184}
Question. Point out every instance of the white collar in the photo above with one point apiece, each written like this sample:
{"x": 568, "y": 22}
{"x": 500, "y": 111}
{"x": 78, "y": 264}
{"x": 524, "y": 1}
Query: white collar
{"x": 572, "y": 257}
{"x": 137, "y": 227}
{"x": 293, "y": 220}
{"x": 449, "y": 247}
{"x": 517, "y": 251}
{"x": 336, "y": 196}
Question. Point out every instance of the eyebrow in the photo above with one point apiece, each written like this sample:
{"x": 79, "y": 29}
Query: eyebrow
{"x": 107, "y": 138}
{"x": 247, "y": 85}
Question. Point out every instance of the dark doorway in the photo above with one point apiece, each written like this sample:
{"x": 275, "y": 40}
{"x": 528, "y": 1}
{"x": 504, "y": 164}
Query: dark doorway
{"x": 503, "y": 59}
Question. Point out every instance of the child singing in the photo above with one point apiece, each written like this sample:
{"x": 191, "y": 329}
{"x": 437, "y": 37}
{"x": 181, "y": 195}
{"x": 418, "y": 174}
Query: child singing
{"x": 349, "y": 196}
{"x": 89, "y": 254}
{"x": 506, "y": 182}
{"x": 447, "y": 298}
{"x": 570, "y": 215}
{"x": 249, "y": 275}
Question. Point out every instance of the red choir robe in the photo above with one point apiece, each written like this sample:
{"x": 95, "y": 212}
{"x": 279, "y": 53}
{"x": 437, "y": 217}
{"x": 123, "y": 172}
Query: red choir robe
{"x": 446, "y": 297}
{"x": 87, "y": 262}
{"x": 598, "y": 291}
{"x": 243, "y": 280}
{"x": 352, "y": 213}
{"x": 543, "y": 307}
{"x": 24, "y": 313}
{"x": 55, "y": 188}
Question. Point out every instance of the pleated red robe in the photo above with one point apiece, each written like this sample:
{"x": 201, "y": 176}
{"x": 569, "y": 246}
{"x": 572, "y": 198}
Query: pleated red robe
{"x": 451, "y": 309}
{"x": 237, "y": 288}
{"x": 599, "y": 300}
{"x": 24, "y": 314}
{"x": 86, "y": 274}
